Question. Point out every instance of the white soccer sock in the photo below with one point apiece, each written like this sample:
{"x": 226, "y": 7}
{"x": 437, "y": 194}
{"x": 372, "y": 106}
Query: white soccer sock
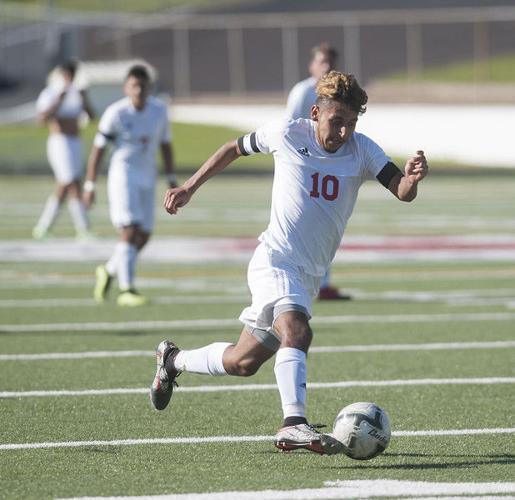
{"x": 112, "y": 264}
{"x": 50, "y": 213}
{"x": 126, "y": 264}
{"x": 206, "y": 360}
{"x": 326, "y": 279}
{"x": 79, "y": 216}
{"x": 290, "y": 373}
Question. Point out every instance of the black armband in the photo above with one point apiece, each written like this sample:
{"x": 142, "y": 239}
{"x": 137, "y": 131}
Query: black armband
{"x": 389, "y": 171}
{"x": 247, "y": 144}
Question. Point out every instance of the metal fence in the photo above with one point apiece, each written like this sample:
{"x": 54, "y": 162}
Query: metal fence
{"x": 253, "y": 53}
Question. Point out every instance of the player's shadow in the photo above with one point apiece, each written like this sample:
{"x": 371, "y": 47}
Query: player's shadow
{"x": 473, "y": 461}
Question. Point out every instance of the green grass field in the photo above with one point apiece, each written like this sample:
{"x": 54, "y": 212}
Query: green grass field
{"x": 443, "y": 302}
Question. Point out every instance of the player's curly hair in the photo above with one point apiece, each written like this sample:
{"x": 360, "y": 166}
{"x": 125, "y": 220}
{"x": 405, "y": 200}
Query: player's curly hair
{"x": 342, "y": 87}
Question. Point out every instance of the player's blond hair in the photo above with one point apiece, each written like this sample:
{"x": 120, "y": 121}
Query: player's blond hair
{"x": 342, "y": 87}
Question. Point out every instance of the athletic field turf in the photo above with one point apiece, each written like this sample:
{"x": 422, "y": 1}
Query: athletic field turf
{"x": 431, "y": 340}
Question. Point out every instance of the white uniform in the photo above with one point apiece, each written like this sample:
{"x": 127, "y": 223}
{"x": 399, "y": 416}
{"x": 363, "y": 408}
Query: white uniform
{"x": 301, "y": 98}
{"x": 64, "y": 152}
{"x": 136, "y": 136}
{"x": 313, "y": 196}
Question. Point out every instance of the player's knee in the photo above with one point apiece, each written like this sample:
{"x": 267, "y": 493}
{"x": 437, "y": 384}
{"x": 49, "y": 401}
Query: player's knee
{"x": 295, "y": 331}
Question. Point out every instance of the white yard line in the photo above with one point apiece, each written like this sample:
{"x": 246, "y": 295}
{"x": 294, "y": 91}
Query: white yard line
{"x": 351, "y": 490}
{"x": 233, "y": 439}
{"x": 264, "y": 387}
{"x": 177, "y": 299}
{"x": 433, "y": 346}
{"x": 454, "y": 297}
{"x": 214, "y": 323}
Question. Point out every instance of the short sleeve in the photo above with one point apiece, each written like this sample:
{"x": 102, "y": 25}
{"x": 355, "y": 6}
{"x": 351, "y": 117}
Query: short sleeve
{"x": 107, "y": 128}
{"x": 295, "y": 103}
{"x": 374, "y": 157}
{"x": 45, "y": 100}
{"x": 264, "y": 140}
{"x": 165, "y": 128}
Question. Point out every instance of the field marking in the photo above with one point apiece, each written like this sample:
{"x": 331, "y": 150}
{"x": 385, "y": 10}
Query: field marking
{"x": 210, "y": 323}
{"x": 349, "y": 489}
{"x": 234, "y": 439}
{"x": 433, "y": 346}
{"x": 84, "y": 302}
{"x": 264, "y": 387}
{"x": 496, "y": 296}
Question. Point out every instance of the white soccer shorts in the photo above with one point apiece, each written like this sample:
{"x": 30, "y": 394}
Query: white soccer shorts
{"x": 130, "y": 200}
{"x": 276, "y": 286}
{"x": 64, "y": 154}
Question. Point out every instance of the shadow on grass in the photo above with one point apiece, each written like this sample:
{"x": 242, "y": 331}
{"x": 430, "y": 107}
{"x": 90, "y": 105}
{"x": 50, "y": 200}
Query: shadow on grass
{"x": 474, "y": 461}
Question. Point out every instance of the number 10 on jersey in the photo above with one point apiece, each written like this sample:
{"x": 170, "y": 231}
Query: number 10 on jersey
{"x": 328, "y": 188}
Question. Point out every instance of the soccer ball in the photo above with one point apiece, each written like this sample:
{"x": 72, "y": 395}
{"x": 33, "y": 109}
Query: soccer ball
{"x": 364, "y": 430}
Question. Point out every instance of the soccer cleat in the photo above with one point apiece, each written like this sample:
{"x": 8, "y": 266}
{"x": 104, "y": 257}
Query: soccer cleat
{"x": 332, "y": 293}
{"x": 164, "y": 381}
{"x": 103, "y": 283}
{"x": 131, "y": 298}
{"x": 39, "y": 234}
{"x": 85, "y": 236}
{"x": 306, "y": 436}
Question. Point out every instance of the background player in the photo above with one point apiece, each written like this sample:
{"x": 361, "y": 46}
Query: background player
{"x": 60, "y": 105}
{"x": 137, "y": 126}
{"x": 301, "y": 99}
{"x": 320, "y": 165}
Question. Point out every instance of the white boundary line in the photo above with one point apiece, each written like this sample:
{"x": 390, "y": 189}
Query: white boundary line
{"x": 233, "y": 439}
{"x": 351, "y": 490}
{"x": 433, "y": 346}
{"x": 174, "y": 299}
{"x": 213, "y": 323}
{"x": 264, "y": 387}
{"x": 454, "y": 297}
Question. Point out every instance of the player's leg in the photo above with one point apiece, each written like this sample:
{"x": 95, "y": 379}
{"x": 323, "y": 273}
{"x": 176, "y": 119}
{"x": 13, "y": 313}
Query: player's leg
{"x": 216, "y": 359}
{"x": 290, "y": 371}
{"x": 141, "y": 211}
{"x": 126, "y": 267}
{"x": 78, "y": 210}
{"x": 57, "y": 160}
{"x": 330, "y": 292}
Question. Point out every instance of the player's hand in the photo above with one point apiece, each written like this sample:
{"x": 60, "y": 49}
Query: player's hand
{"x": 176, "y": 198}
{"x": 88, "y": 198}
{"x": 416, "y": 168}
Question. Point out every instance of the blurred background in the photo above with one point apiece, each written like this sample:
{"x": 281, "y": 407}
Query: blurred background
{"x": 446, "y": 67}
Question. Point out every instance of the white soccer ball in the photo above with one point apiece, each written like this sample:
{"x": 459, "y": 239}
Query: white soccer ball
{"x": 364, "y": 430}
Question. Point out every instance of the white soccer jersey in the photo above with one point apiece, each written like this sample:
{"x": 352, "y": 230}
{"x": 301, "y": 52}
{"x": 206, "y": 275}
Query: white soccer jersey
{"x": 71, "y": 107}
{"x": 300, "y": 99}
{"x": 136, "y": 135}
{"x": 314, "y": 191}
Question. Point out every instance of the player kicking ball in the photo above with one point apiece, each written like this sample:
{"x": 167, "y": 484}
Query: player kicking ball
{"x": 136, "y": 126}
{"x": 320, "y": 165}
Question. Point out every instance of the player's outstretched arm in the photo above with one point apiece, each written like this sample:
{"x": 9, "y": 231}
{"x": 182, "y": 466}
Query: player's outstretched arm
{"x": 176, "y": 198}
{"x": 404, "y": 186}
{"x": 95, "y": 157}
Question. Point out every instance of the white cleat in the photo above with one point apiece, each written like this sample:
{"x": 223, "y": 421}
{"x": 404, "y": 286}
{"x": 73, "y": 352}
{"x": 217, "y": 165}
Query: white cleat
{"x": 306, "y": 436}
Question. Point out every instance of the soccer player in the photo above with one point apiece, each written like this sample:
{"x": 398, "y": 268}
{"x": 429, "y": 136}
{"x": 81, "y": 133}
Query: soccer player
{"x": 320, "y": 165}
{"x": 60, "y": 105}
{"x": 137, "y": 126}
{"x": 300, "y": 101}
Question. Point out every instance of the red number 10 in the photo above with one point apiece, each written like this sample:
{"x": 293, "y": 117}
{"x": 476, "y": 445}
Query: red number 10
{"x": 330, "y": 187}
